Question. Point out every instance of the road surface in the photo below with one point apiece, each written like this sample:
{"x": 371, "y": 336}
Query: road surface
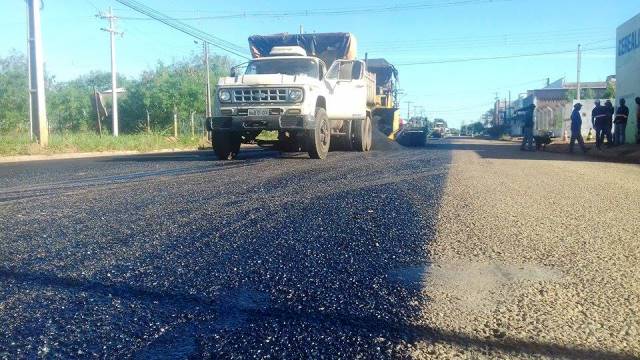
{"x": 426, "y": 253}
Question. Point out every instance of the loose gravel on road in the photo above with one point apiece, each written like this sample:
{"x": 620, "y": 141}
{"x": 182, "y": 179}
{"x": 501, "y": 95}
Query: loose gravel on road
{"x": 536, "y": 255}
{"x": 180, "y": 256}
{"x": 464, "y": 249}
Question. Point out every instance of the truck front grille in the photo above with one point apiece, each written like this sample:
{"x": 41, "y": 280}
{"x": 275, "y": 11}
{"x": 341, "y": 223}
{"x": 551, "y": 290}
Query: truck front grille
{"x": 260, "y": 95}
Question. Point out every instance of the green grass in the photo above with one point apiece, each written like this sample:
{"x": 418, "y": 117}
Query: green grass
{"x": 86, "y": 142}
{"x": 268, "y": 135}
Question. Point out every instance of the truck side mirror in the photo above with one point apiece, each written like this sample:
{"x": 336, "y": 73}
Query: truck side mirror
{"x": 232, "y": 72}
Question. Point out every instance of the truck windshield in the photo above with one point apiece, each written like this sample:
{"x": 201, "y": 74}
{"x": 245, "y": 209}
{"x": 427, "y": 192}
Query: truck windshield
{"x": 308, "y": 67}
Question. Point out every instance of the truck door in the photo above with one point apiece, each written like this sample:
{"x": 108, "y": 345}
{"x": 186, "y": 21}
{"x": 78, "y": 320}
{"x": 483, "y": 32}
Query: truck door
{"x": 347, "y": 88}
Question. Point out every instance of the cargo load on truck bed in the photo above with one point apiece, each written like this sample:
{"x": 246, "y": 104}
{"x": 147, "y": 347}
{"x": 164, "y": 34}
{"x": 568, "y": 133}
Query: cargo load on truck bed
{"x": 326, "y": 46}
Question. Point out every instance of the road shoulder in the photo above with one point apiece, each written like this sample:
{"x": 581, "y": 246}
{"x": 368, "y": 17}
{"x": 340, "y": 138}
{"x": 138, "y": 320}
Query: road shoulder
{"x": 516, "y": 275}
{"x": 84, "y": 155}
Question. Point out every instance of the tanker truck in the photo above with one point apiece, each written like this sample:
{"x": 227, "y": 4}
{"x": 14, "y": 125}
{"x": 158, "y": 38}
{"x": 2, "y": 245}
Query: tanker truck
{"x": 310, "y": 88}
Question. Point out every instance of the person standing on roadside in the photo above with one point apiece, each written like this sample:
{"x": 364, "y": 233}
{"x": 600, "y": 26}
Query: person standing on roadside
{"x": 527, "y": 129}
{"x": 609, "y": 110}
{"x": 598, "y": 123}
{"x": 576, "y": 129}
{"x": 638, "y": 120}
{"x": 622, "y": 114}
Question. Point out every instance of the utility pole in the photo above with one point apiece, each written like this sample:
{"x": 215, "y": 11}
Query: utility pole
{"x": 175, "y": 122}
{"x": 496, "y": 107}
{"x": 409, "y": 109}
{"x": 509, "y": 106}
{"x": 29, "y": 71}
{"x": 578, "y": 75}
{"x": 114, "y": 85}
{"x": 193, "y": 128}
{"x": 38, "y": 107}
{"x": 208, "y": 89}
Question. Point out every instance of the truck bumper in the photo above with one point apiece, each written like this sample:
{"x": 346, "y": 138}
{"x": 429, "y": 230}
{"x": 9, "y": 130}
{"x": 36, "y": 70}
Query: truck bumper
{"x": 258, "y": 123}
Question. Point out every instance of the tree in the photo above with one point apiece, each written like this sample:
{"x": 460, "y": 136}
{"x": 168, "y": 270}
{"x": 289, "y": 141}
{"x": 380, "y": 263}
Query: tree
{"x": 472, "y": 129}
{"x": 610, "y": 93}
{"x": 14, "y": 95}
{"x": 179, "y": 85}
{"x": 585, "y": 94}
{"x": 69, "y": 103}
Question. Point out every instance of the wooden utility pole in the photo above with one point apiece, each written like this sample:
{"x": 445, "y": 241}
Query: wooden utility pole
{"x": 96, "y": 98}
{"x": 38, "y": 107}
{"x": 193, "y": 128}
{"x": 409, "y": 110}
{"x": 148, "y": 121}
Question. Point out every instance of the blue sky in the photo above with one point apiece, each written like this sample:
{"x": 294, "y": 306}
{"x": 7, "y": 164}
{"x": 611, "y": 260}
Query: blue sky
{"x": 413, "y": 32}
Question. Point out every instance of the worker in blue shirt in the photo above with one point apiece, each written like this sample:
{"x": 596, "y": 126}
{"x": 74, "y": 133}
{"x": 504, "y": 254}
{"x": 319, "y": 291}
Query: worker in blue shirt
{"x": 598, "y": 116}
{"x": 622, "y": 115}
{"x": 576, "y": 129}
{"x": 527, "y": 129}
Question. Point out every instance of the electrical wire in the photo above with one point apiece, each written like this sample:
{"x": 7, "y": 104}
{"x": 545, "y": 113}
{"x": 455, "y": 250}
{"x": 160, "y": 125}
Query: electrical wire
{"x": 449, "y": 61}
{"x": 339, "y": 11}
{"x": 185, "y": 28}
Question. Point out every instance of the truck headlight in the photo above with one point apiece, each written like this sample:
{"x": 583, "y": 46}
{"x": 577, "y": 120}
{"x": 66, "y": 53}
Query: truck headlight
{"x": 224, "y": 95}
{"x": 295, "y": 95}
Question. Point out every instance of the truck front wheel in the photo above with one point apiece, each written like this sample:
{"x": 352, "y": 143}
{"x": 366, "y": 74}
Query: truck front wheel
{"x": 226, "y": 145}
{"x": 319, "y": 138}
{"x": 362, "y": 134}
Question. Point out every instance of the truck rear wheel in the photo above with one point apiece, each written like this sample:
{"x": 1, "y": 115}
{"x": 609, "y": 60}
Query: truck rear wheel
{"x": 362, "y": 134}
{"x": 319, "y": 139}
{"x": 226, "y": 145}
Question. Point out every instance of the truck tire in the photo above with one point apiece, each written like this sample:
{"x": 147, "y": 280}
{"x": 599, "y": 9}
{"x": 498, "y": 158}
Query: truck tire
{"x": 362, "y": 134}
{"x": 226, "y": 145}
{"x": 319, "y": 139}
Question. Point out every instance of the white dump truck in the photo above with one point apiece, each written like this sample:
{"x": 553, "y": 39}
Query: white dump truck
{"x": 308, "y": 87}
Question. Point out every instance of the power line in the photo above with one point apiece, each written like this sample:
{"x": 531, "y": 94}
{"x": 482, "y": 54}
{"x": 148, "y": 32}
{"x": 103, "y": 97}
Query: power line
{"x": 535, "y": 34}
{"x": 339, "y": 11}
{"x": 185, "y": 28}
{"x": 474, "y": 43}
{"x": 448, "y": 61}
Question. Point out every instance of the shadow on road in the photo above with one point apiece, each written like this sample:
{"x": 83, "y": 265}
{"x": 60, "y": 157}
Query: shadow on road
{"x": 190, "y": 156}
{"x": 374, "y": 326}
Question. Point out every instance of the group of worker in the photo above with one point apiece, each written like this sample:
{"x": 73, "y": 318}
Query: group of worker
{"x": 603, "y": 122}
{"x": 604, "y": 119}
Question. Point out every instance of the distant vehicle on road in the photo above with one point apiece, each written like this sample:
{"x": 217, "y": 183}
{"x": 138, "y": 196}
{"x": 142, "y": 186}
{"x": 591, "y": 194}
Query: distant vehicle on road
{"x": 439, "y": 128}
{"x": 413, "y": 133}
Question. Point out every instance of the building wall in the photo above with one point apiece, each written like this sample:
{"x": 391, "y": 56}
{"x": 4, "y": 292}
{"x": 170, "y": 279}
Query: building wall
{"x": 628, "y": 69}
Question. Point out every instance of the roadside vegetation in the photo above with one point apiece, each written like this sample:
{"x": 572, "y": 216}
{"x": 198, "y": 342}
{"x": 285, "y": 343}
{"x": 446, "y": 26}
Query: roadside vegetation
{"x": 86, "y": 142}
{"x": 146, "y": 109}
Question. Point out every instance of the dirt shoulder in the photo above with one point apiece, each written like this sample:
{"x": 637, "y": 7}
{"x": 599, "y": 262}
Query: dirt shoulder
{"x": 535, "y": 257}
{"x": 82, "y": 155}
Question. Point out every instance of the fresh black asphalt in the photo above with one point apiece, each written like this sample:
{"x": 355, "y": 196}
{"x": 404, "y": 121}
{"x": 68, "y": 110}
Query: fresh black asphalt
{"x": 178, "y": 255}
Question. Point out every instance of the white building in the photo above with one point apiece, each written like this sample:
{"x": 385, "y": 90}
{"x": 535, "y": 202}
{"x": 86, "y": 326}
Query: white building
{"x": 628, "y": 70}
